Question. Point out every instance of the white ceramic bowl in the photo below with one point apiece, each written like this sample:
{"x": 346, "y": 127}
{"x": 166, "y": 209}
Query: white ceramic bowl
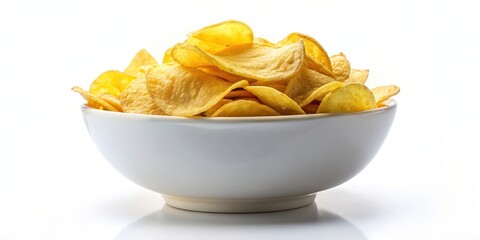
{"x": 248, "y": 164}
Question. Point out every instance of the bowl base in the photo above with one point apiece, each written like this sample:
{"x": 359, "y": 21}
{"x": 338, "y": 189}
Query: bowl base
{"x": 239, "y": 205}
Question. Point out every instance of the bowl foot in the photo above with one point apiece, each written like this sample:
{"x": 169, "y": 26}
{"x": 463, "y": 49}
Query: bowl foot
{"x": 239, "y": 205}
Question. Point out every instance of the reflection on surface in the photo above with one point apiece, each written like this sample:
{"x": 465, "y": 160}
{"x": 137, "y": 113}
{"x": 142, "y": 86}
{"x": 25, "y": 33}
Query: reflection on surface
{"x": 303, "y": 223}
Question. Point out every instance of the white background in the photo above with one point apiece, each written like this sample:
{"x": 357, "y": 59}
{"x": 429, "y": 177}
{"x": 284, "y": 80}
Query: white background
{"x": 423, "y": 184}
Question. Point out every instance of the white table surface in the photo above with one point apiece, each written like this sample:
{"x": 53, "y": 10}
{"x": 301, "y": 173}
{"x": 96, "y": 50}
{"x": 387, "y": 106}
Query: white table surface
{"x": 423, "y": 184}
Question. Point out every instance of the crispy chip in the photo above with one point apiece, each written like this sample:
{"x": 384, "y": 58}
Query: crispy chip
{"x": 136, "y": 99}
{"x": 278, "y": 87}
{"x": 142, "y": 58}
{"x": 320, "y": 93}
{"x": 352, "y": 97}
{"x": 183, "y": 91}
{"x": 313, "y": 49}
{"x": 302, "y": 85}
{"x": 276, "y": 100}
{"x": 357, "y": 76}
{"x": 383, "y": 93}
{"x": 225, "y": 33}
{"x": 111, "y": 82}
{"x": 258, "y": 62}
{"x": 213, "y": 109}
{"x": 244, "y": 108}
{"x": 93, "y": 100}
{"x": 340, "y": 66}
{"x": 112, "y": 100}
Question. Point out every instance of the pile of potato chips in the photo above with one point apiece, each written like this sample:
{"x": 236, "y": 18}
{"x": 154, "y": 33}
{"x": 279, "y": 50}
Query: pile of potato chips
{"x": 222, "y": 70}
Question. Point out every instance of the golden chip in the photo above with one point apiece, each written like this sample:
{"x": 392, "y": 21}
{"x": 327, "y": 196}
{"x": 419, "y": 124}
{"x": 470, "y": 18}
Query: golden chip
{"x": 258, "y": 62}
{"x": 358, "y": 76}
{"x": 112, "y": 100}
{"x": 94, "y": 101}
{"x": 340, "y": 66}
{"x": 352, "y": 97}
{"x": 302, "y": 85}
{"x": 279, "y": 87}
{"x": 142, "y": 58}
{"x": 313, "y": 49}
{"x": 276, "y": 100}
{"x": 244, "y": 108}
{"x": 136, "y": 99}
{"x": 383, "y": 93}
{"x": 183, "y": 91}
{"x": 263, "y": 41}
{"x": 225, "y": 33}
{"x": 320, "y": 93}
{"x": 167, "y": 56}
{"x": 111, "y": 82}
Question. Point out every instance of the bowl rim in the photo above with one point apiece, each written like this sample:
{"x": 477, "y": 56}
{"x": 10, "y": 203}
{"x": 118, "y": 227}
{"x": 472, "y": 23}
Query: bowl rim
{"x": 391, "y": 104}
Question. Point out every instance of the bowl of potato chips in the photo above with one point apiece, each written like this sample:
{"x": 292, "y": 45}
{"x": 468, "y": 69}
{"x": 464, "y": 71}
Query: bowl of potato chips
{"x": 233, "y": 123}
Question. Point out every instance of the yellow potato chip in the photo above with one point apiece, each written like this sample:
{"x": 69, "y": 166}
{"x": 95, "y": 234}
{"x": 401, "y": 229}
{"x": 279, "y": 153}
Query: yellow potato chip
{"x": 357, "y": 76}
{"x": 142, "y": 58}
{"x": 383, "y": 93}
{"x": 313, "y": 49}
{"x": 302, "y": 85}
{"x": 276, "y": 100}
{"x": 183, "y": 91}
{"x": 340, "y": 66}
{"x": 244, "y": 108}
{"x": 258, "y": 62}
{"x": 213, "y": 109}
{"x": 111, "y": 82}
{"x": 136, "y": 99}
{"x": 320, "y": 93}
{"x": 225, "y": 33}
{"x": 352, "y": 97}
{"x": 278, "y": 87}
{"x": 112, "y": 100}
{"x": 93, "y": 100}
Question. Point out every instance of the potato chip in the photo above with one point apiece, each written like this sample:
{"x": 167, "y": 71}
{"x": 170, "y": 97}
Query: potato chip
{"x": 357, "y": 76}
{"x": 183, "y": 91}
{"x": 258, "y": 62}
{"x": 302, "y": 85}
{"x": 244, "y": 108}
{"x": 383, "y": 93}
{"x": 225, "y": 33}
{"x": 320, "y": 93}
{"x": 352, "y": 97}
{"x": 313, "y": 49}
{"x": 248, "y": 98}
{"x": 94, "y": 101}
{"x": 142, "y": 58}
{"x": 239, "y": 93}
{"x": 340, "y": 66}
{"x": 213, "y": 109}
{"x": 112, "y": 100}
{"x": 276, "y": 100}
{"x": 278, "y": 87}
{"x": 136, "y": 99}
{"x": 111, "y": 82}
